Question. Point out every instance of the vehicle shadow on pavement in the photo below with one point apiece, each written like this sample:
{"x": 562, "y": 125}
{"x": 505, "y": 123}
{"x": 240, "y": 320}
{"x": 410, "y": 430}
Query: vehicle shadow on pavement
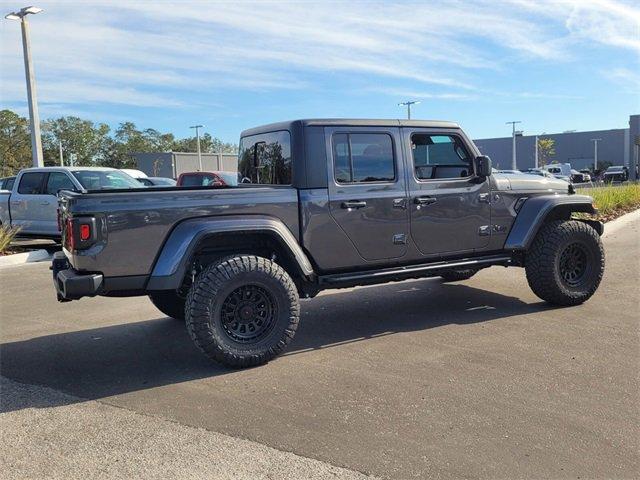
{"x": 102, "y": 362}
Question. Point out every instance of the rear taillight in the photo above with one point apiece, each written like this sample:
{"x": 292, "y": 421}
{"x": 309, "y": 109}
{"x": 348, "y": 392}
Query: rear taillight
{"x": 69, "y": 241}
{"x": 85, "y": 232}
{"x": 80, "y": 233}
{"x": 59, "y": 219}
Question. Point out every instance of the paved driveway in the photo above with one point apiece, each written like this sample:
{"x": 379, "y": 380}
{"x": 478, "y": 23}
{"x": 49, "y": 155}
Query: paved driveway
{"x": 418, "y": 379}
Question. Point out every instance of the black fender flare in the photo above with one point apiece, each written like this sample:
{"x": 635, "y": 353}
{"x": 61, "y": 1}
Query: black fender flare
{"x": 171, "y": 264}
{"x": 536, "y": 210}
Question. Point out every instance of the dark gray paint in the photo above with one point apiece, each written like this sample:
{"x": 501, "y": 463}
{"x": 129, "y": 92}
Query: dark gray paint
{"x": 136, "y": 225}
{"x": 372, "y": 228}
{"x": 171, "y": 266}
{"x": 532, "y": 215}
{"x": 452, "y": 223}
{"x": 155, "y": 229}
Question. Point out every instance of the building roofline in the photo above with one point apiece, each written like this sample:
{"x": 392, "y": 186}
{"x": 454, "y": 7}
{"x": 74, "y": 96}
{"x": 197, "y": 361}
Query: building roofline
{"x": 540, "y": 135}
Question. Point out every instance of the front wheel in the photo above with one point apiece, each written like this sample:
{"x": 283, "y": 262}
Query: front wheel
{"x": 565, "y": 263}
{"x": 242, "y": 311}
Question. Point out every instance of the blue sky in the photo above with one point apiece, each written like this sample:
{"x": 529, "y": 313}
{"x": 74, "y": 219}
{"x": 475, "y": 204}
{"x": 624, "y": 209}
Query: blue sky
{"x": 555, "y": 65}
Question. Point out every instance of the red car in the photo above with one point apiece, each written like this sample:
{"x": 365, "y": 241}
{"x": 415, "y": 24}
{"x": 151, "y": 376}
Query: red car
{"x": 208, "y": 179}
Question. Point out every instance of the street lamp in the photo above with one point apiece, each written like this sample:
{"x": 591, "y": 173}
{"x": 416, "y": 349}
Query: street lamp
{"x": 408, "y": 104}
{"x": 197, "y": 127}
{"x": 595, "y": 153}
{"x": 513, "y": 144}
{"x": 34, "y": 118}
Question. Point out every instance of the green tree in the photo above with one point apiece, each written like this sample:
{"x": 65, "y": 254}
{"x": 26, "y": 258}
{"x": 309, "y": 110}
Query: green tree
{"x": 546, "y": 150}
{"x": 127, "y": 140}
{"x": 154, "y": 141}
{"x": 15, "y": 143}
{"x": 208, "y": 144}
{"x": 83, "y": 139}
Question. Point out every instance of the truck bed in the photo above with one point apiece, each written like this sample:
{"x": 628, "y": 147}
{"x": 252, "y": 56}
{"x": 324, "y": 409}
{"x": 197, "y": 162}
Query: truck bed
{"x": 138, "y": 221}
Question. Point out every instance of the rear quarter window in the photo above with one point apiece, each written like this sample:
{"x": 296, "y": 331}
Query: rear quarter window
{"x": 265, "y": 159}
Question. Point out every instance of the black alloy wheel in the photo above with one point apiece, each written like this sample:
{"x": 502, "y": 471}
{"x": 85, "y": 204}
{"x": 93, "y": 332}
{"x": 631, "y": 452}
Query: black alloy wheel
{"x": 248, "y": 313}
{"x": 573, "y": 264}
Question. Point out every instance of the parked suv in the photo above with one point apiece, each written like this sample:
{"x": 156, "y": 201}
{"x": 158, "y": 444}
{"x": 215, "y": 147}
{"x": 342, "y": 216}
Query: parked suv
{"x": 616, "y": 173}
{"x": 331, "y": 204}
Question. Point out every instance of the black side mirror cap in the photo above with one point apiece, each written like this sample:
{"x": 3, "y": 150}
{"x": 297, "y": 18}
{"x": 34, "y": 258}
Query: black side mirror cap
{"x": 482, "y": 166}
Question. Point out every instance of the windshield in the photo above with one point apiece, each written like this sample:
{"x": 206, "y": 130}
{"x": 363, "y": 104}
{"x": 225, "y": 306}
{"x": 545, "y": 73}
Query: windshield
{"x": 105, "y": 180}
{"x": 162, "y": 181}
{"x": 230, "y": 178}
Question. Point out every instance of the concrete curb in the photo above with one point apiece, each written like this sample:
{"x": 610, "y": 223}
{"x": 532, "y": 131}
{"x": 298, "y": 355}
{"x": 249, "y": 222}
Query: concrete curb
{"x": 26, "y": 257}
{"x": 612, "y": 227}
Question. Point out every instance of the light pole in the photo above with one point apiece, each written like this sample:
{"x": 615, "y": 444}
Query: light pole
{"x": 197, "y": 127}
{"x": 536, "y": 153}
{"x": 595, "y": 153}
{"x": 34, "y": 118}
{"x": 513, "y": 144}
{"x": 408, "y": 104}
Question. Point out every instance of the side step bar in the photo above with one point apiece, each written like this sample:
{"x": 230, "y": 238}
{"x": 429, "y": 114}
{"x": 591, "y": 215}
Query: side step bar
{"x": 409, "y": 271}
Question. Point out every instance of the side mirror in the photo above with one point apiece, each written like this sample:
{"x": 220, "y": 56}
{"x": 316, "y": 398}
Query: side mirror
{"x": 482, "y": 166}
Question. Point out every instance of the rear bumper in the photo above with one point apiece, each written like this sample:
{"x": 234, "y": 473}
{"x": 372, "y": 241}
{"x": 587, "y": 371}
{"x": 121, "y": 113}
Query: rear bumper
{"x": 70, "y": 284}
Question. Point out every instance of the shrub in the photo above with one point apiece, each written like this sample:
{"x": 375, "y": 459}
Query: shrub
{"x": 612, "y": 201}
{"x": 7, "y": 234}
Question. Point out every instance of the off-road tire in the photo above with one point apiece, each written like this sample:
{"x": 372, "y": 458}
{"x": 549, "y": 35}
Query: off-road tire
{"x": 169, "y": 303}
{"x": 210, "y": 301}
{"x": 545, "y": 259}
{"x": 458, "y": 275}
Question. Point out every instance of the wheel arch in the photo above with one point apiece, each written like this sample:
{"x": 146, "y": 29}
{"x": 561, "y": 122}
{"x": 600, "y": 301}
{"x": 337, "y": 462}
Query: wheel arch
{"x": 220, "y": 236}
{"x": 536, "y": 211}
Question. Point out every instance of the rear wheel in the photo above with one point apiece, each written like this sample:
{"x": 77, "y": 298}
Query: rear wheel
{"x": 565, "y": 263}
{"x": 169, "y": 303}
{"x": 242, "y": 311}
{"x": 458, "y": 275}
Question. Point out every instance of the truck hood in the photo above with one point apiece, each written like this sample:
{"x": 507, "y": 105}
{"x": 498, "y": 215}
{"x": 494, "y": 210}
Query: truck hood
{"x": 529, "y": 183}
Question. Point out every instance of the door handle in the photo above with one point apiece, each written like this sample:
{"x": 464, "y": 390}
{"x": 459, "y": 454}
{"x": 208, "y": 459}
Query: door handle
{"x": 400, "y": 203}
{"x": 45, "y": 203}
{"x": 425, "y": 200}
{"x": 354, "y": 204}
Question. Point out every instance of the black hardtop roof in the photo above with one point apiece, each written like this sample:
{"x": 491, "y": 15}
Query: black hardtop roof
{"x": 348, "y": 122}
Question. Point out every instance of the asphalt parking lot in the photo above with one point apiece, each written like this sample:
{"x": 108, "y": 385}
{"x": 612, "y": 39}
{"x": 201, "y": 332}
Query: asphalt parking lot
{"x": 478, "y": 379}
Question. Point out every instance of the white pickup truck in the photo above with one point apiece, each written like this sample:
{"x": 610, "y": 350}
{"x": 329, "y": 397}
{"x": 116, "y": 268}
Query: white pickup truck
{"x": 32, "y": 203}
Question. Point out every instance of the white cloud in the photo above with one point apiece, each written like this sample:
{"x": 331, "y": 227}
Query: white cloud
{"x": 157, "y": 54}
{"x": 627, "y": 78}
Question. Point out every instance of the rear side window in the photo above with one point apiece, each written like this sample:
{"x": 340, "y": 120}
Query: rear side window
{"x": 439, "y": 156}
{"x": 363, "y": 157}
{"x": 58, "y": 181}
{"x": 31, "y": 183}
{"x": 196, "y": 180}
{"x": 266, "y": 158}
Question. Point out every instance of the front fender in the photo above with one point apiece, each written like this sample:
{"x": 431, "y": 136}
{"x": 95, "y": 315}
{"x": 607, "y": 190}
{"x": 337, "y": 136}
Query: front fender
{"x": 536, "y": 210}
{"x": 171, "y": 265}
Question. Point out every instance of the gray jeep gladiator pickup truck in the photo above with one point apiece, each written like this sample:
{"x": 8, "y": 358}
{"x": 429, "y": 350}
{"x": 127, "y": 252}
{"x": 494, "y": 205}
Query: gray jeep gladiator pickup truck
{"x": 331, "y": 204}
